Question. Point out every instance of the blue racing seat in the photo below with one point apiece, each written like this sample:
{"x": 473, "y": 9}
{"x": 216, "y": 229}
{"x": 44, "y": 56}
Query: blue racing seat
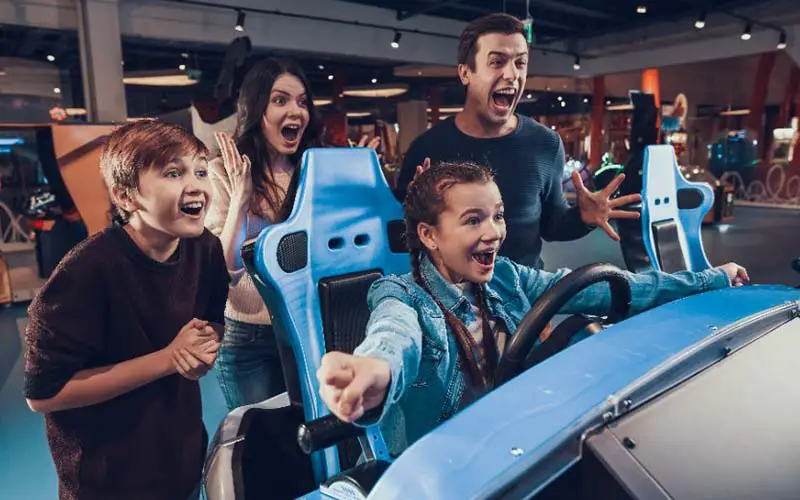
{"x": 672, "y": 213}
{"x": 314, "y": 271}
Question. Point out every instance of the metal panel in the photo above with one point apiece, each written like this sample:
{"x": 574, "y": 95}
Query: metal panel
{"x": 731, "y": 431}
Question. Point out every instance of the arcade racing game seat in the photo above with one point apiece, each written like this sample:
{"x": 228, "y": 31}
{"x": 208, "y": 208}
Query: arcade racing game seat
{"x": 668, "y": 236}
{"x": 314, "y": 272}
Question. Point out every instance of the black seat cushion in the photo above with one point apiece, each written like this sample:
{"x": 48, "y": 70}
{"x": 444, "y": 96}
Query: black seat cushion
{"x": 268, "y": 462}
{"x": 667, "y": 246}
{"x": 343, "y": 304}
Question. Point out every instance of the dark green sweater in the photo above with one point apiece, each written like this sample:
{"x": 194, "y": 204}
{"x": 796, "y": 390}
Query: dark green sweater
{"x": 528, "y": 165}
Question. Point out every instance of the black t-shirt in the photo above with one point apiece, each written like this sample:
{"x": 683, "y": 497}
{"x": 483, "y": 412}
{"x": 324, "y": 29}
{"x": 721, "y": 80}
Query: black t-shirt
{"x": 105, "y": 303}
{"x": 528, "y": 165}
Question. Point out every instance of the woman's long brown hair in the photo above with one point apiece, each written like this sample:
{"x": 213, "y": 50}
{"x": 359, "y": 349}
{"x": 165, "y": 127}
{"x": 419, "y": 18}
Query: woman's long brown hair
{"x": 254, "y": 98}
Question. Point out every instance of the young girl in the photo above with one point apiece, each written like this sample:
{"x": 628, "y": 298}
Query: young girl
{"x": 435, "y": 335}
{"x": 254, "y": 185}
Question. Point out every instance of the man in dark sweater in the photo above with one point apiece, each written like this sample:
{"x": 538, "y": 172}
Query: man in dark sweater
{"x": 126, "y": 325}
{"x": 527, "y": 157}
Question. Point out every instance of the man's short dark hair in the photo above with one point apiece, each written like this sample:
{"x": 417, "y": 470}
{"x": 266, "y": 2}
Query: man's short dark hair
{"x": 503, "y": 24}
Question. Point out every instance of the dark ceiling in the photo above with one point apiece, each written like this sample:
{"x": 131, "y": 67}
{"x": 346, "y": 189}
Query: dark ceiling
{"x": 554, "y": 19}
{"x": 563, "y": 19}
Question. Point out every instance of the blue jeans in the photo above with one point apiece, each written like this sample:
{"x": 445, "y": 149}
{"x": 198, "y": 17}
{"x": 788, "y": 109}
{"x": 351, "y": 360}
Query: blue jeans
{"x": 248, "y": 365}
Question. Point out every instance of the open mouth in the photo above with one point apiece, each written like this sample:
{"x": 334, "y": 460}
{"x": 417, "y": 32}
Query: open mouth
{"x": 290, "y": 132}
{"x": 484, "y": 258}
{"x": 193, "y": 208}
{"x": 504, "y": 98}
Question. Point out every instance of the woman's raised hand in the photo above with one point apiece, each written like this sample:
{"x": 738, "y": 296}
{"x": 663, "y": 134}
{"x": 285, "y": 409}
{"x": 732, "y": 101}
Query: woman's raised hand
{"x": 237, "y": 166}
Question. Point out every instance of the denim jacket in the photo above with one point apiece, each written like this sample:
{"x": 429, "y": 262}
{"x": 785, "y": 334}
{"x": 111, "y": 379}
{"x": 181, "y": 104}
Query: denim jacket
{"x": 408, "y": 330}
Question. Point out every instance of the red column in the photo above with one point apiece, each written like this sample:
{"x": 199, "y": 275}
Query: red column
{"x": 651, "y": 85}
{"x": 792, "y": 88}
{"x": 758, "y": 100}
{"x": 335, "y": 117}
{"x": 598, "y": 112}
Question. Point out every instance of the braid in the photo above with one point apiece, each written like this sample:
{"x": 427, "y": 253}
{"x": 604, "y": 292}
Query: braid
{"x": 424, "y": 202}
{"x": 490, "y": 350}
{"x": 460, "y": 332}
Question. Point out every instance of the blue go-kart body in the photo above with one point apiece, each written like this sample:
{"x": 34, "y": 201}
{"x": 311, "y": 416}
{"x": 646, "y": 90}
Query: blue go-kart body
{"x": 690, "y": 400}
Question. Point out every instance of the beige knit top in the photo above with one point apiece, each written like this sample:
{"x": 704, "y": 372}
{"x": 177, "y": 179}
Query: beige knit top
{"x": 244, "y": 302}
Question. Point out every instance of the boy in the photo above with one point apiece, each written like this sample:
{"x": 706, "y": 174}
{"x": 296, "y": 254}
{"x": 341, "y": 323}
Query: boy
{"x": 125, "y": 314}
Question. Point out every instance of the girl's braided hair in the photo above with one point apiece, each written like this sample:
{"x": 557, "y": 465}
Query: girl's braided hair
{"x": 424, "y": 202}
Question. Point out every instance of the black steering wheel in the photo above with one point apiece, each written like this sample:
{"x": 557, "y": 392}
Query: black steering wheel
{"x": 542, "y": 312}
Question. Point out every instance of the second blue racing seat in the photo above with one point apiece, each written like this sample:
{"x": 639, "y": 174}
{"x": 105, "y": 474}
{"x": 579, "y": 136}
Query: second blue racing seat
{"x": 668, "y": 236}
{"x": 672, "y": 213}
{"x": 313, "y": 271}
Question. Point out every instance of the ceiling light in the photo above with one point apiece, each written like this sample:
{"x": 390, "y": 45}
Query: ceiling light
{"x": 239, "y": 21}
{"x": 577, "y": 65}
{"x": 585, "y": 100}
{"x": 159, "y": 79}
{"x": 396, "y": 41}
{"x": 374, "y": 80}
{"x": 322, "y": 101}
{"x": 182, "y": 67}
{"x": 57, "y": 90}
{"x": 185, "y": 55}
{"x": 358, "y": 114}
{"x": 330, "y": 77}
{"x": 76, "y": 111}
{"x": 735, "y": 112}
{"x": 51, "y": 57}
{"x": 747, "y": 29}
{"x": 321, "y": 67}
{"x": 782, "y": 41}
{"x": 376, "y": 91}
{"x": 563, "y": 104}
{"x": 701, "y": 21}
{"x": 641, "y": 8}
{"x": 620, "y": 107}
{"x": 446, "y": 109}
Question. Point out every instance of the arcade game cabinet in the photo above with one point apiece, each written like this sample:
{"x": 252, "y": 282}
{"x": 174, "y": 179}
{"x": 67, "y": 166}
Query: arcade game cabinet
{"x": 53, "y": 197}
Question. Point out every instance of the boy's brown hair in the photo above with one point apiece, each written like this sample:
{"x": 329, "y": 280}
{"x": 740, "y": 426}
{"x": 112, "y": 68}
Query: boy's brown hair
{"x": 135, "y": 147}
{"x": 503, "y": 24}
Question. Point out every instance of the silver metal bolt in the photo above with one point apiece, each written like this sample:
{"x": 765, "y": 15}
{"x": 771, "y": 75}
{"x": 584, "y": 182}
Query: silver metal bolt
{"x": 608, "y": 416}
{"x": 517, "y": 452}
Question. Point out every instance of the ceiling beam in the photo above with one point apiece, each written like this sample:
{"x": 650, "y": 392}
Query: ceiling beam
{"x": 402, "y": 15}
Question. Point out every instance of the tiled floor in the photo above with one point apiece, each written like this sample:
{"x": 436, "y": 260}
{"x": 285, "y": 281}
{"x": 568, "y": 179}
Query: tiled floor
{"x": 763, "y": 240}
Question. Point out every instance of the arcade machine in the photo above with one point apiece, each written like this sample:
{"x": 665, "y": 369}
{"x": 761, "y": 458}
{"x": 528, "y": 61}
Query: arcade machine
{"x": 52, "y": 197}
{"x": 784, "y": 143}
{"x": 734, "y": 151}
{"x": 784, "y": 146}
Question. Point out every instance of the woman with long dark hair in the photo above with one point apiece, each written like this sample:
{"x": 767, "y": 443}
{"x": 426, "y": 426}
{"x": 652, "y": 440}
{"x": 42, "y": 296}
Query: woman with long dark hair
{"x": 255, "y": 182}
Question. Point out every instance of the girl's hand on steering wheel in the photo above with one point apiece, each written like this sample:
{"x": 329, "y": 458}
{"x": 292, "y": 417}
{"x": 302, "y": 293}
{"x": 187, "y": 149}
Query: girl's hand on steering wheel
{"x": 352, "y": 385}
{"x": 737, "y": 275}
